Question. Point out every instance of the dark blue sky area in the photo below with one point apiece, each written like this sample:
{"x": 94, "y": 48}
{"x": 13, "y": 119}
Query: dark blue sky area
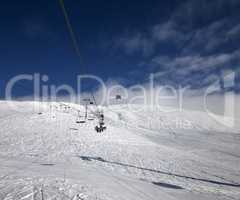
{"x": 188, "y": 42}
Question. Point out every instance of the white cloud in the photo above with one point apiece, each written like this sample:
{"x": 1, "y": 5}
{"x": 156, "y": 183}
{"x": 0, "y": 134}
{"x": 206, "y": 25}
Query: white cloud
{"x": 211, "y": 37}
{"x": 136, "y": 43}
{"x": 167, "y": 31}
{"x": 196, "y": 46}
{"x": 183, "y": 66}
{"x": 204, "y": 11}
{"x": 235, "y": 31}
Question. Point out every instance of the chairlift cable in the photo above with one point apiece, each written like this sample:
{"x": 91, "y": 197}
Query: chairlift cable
{"x": 77, "y": 50}
{"x": 72, "y": 36}
{"x": 70, "y": 29}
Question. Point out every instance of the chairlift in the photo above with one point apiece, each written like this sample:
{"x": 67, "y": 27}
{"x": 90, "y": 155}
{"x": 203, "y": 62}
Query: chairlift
{"x": 101, "y": 127}
{"x": 90, "y": 116}
{"x": 79, "y": 119}
{"x": 118, "y": 97}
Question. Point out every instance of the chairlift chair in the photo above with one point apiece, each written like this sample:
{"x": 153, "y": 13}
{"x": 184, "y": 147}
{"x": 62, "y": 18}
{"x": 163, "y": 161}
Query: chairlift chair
{"x": 90, "y": 116}
{"x": 101, "y": 127}
{"x": 90, "y": 119}
{"x": 79, "y": 119}
{"x": 118, "y": 97}
{"x": 81, "y": 122}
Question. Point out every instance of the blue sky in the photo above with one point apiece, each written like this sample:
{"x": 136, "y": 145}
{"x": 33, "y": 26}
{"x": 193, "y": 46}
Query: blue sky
{"x": 188, "y": 42}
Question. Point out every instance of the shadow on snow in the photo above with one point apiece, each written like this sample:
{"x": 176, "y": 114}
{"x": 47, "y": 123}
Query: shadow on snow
{"x": 99, "y": 159}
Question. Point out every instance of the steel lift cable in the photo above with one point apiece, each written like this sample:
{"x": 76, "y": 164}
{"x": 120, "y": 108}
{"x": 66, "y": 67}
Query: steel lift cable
{"x": 75, "y": 45}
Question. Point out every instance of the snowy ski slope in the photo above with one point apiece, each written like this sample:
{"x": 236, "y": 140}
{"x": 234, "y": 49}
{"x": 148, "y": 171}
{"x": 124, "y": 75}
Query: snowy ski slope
{"x": 143, "y": 154}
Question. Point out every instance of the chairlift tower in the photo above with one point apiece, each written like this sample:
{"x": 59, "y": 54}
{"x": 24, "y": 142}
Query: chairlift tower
{"x": 87, "y": 101}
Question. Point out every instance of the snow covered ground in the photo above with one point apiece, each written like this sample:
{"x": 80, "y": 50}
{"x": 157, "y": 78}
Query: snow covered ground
{"x": 147, "y": 154}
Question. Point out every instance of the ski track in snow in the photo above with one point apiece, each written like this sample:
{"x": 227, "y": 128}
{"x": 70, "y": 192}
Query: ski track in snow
{"x": 50, "y": 156}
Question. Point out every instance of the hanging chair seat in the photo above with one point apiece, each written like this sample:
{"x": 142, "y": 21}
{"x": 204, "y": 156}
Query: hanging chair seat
{"x": 80, "y": 121}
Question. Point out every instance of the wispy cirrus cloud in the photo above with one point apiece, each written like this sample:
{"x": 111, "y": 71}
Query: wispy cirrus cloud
{"x": 136, "y": 43}
{"x": 201, "y": 38}
{"x": 167, "y": 32}
{"x": 195, "y": 70}
{"x": 197, "y": 62}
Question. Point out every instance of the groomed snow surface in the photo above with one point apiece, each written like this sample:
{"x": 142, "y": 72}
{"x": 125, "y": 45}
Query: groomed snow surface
{"x": 145, "y": 153}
